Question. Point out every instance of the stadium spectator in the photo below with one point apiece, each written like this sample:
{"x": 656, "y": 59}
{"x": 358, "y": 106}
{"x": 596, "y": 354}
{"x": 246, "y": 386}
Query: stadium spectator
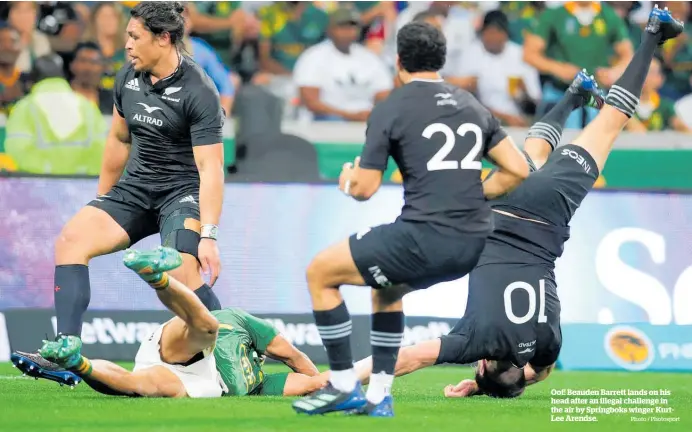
{"x": 458, "y": 25}
{"x": 207, "y": 59}
{"x": 222, "y": 24}
{"x": 522, "y": 16}
{"x": 54, "y": 130}
{"x": 63, "y": 26}
{"x": 23, "y": 16}
{"x": 655, "y": 112}
{"x": 338, "y": 78}
{"x": 107, "y": 30}
{"x": 370, "y": 11}
{"x": 493, "y": 68}
{"x": 573, "y": 36}
{"x": 87, "y": 69}
{"x": 13, "y": 83}
{"x": 376, "y": 17}
{"x": 677, "y": 54}
{"x": 624, "y": 10}
{"x": 287, "y": 30}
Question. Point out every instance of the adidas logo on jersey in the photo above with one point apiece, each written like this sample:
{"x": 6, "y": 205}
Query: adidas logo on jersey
{"x": 133, "y": 84}
{"x": 188, "y": 199}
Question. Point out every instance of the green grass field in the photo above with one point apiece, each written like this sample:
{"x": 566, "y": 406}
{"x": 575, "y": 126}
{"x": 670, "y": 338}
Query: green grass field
{"x": 29, "y": 405}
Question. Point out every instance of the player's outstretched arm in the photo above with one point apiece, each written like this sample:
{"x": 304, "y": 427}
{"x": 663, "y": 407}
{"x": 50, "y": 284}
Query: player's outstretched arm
{"x": 410, "y": 359}
{"x": 115, "y": 154}
{"x": 512, "y": 169}
{"x": 298, "y": 384}
{"x": 282, "y": 350}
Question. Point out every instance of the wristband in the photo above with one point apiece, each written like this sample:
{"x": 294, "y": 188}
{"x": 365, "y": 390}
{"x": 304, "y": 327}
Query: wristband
{"x": 210, "y": 231}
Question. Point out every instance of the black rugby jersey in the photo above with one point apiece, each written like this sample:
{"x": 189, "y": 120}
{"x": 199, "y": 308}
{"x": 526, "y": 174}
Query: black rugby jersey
{"x": 166, "y": 120}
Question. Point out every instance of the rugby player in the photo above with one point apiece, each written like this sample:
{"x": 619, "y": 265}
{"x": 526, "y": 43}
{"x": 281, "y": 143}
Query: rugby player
{"x": 196, "y": 354}
{"x": 512, "y": 322}
{"x": 167, "y": 136}
{"x": 437, "y": 134}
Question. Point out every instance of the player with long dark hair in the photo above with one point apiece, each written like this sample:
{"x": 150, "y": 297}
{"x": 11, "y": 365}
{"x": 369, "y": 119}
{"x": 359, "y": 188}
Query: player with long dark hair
{"x": 162, "y": 169}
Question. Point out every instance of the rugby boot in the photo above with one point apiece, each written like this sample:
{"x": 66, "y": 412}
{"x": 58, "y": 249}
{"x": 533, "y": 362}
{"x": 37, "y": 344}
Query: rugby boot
{"x": 150, "y": 265}
{"x": 65, "y": 350}
{"x": 383, "y": 409}
{"x": 329, "y": 399}
{"x": 662, "y": 22}
{"x": 586, "y": 87}
{"x": 36, "y": 366}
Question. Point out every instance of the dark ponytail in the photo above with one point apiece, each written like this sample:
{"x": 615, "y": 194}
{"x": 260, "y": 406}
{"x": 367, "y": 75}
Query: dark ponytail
{"x": 161, "y": 17}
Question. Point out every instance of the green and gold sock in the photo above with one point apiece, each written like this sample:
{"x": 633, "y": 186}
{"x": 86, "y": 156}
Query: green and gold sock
{"x": 158, "y": 281}
{"x": 83, "y": 367}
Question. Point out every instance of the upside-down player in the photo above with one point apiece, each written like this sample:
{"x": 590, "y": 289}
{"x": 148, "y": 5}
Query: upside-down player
{"x": 196, "y": 354}
{"x": 512, "y": 322}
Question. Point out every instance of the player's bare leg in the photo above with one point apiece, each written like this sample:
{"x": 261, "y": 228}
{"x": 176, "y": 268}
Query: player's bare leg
{"x": 599, "y": 136}
{"x": 544, "y": 136}
{"x": 193, "y": 330}
{"x": 329, "y": 270}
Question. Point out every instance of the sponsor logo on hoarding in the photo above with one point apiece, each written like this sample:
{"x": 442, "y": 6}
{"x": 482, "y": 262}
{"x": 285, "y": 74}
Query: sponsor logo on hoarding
{"x": 302, "y": 333}
{"x": 662, "y": 304}
{"x": 106, "y": 331}
{"x": 297, "y": 333}
{"x": 629, "y": 348}
{"x": 675, "y": 351}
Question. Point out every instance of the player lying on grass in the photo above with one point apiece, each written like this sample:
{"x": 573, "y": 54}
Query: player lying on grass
{"x": 196, "y": 354}
{"x": 512, "y": 322}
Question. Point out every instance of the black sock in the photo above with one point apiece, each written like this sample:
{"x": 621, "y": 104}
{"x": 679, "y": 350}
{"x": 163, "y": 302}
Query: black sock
{"x": 72, "y": 295}
{"x": 549, "y": 127}
{"x": 385, "y": 338}
{"x": 335, "y": 330}
{"x": 208, "y": 297}
{"x": 624, "y": 95}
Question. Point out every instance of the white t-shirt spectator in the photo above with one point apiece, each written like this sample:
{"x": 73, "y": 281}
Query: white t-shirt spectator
{"x": 458, "y": 28}
{"x": 494, "y": 74}
{"x": 346, "y": 81}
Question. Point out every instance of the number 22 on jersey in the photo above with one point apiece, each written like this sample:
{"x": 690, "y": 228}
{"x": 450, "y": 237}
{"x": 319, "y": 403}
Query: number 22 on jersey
{"x": 469, "y": 162}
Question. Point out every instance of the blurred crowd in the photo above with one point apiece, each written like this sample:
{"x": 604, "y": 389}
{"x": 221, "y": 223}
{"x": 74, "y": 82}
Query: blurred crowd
{"x": 315, "y": 61}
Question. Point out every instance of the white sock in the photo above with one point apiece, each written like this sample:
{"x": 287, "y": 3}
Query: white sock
{"x": 344, "y": 380}
{"x": 380, "y": 387}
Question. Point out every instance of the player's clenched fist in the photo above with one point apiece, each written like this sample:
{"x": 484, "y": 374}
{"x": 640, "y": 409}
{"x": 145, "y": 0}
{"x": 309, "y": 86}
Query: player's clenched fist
{"x": 346, "y": 174}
